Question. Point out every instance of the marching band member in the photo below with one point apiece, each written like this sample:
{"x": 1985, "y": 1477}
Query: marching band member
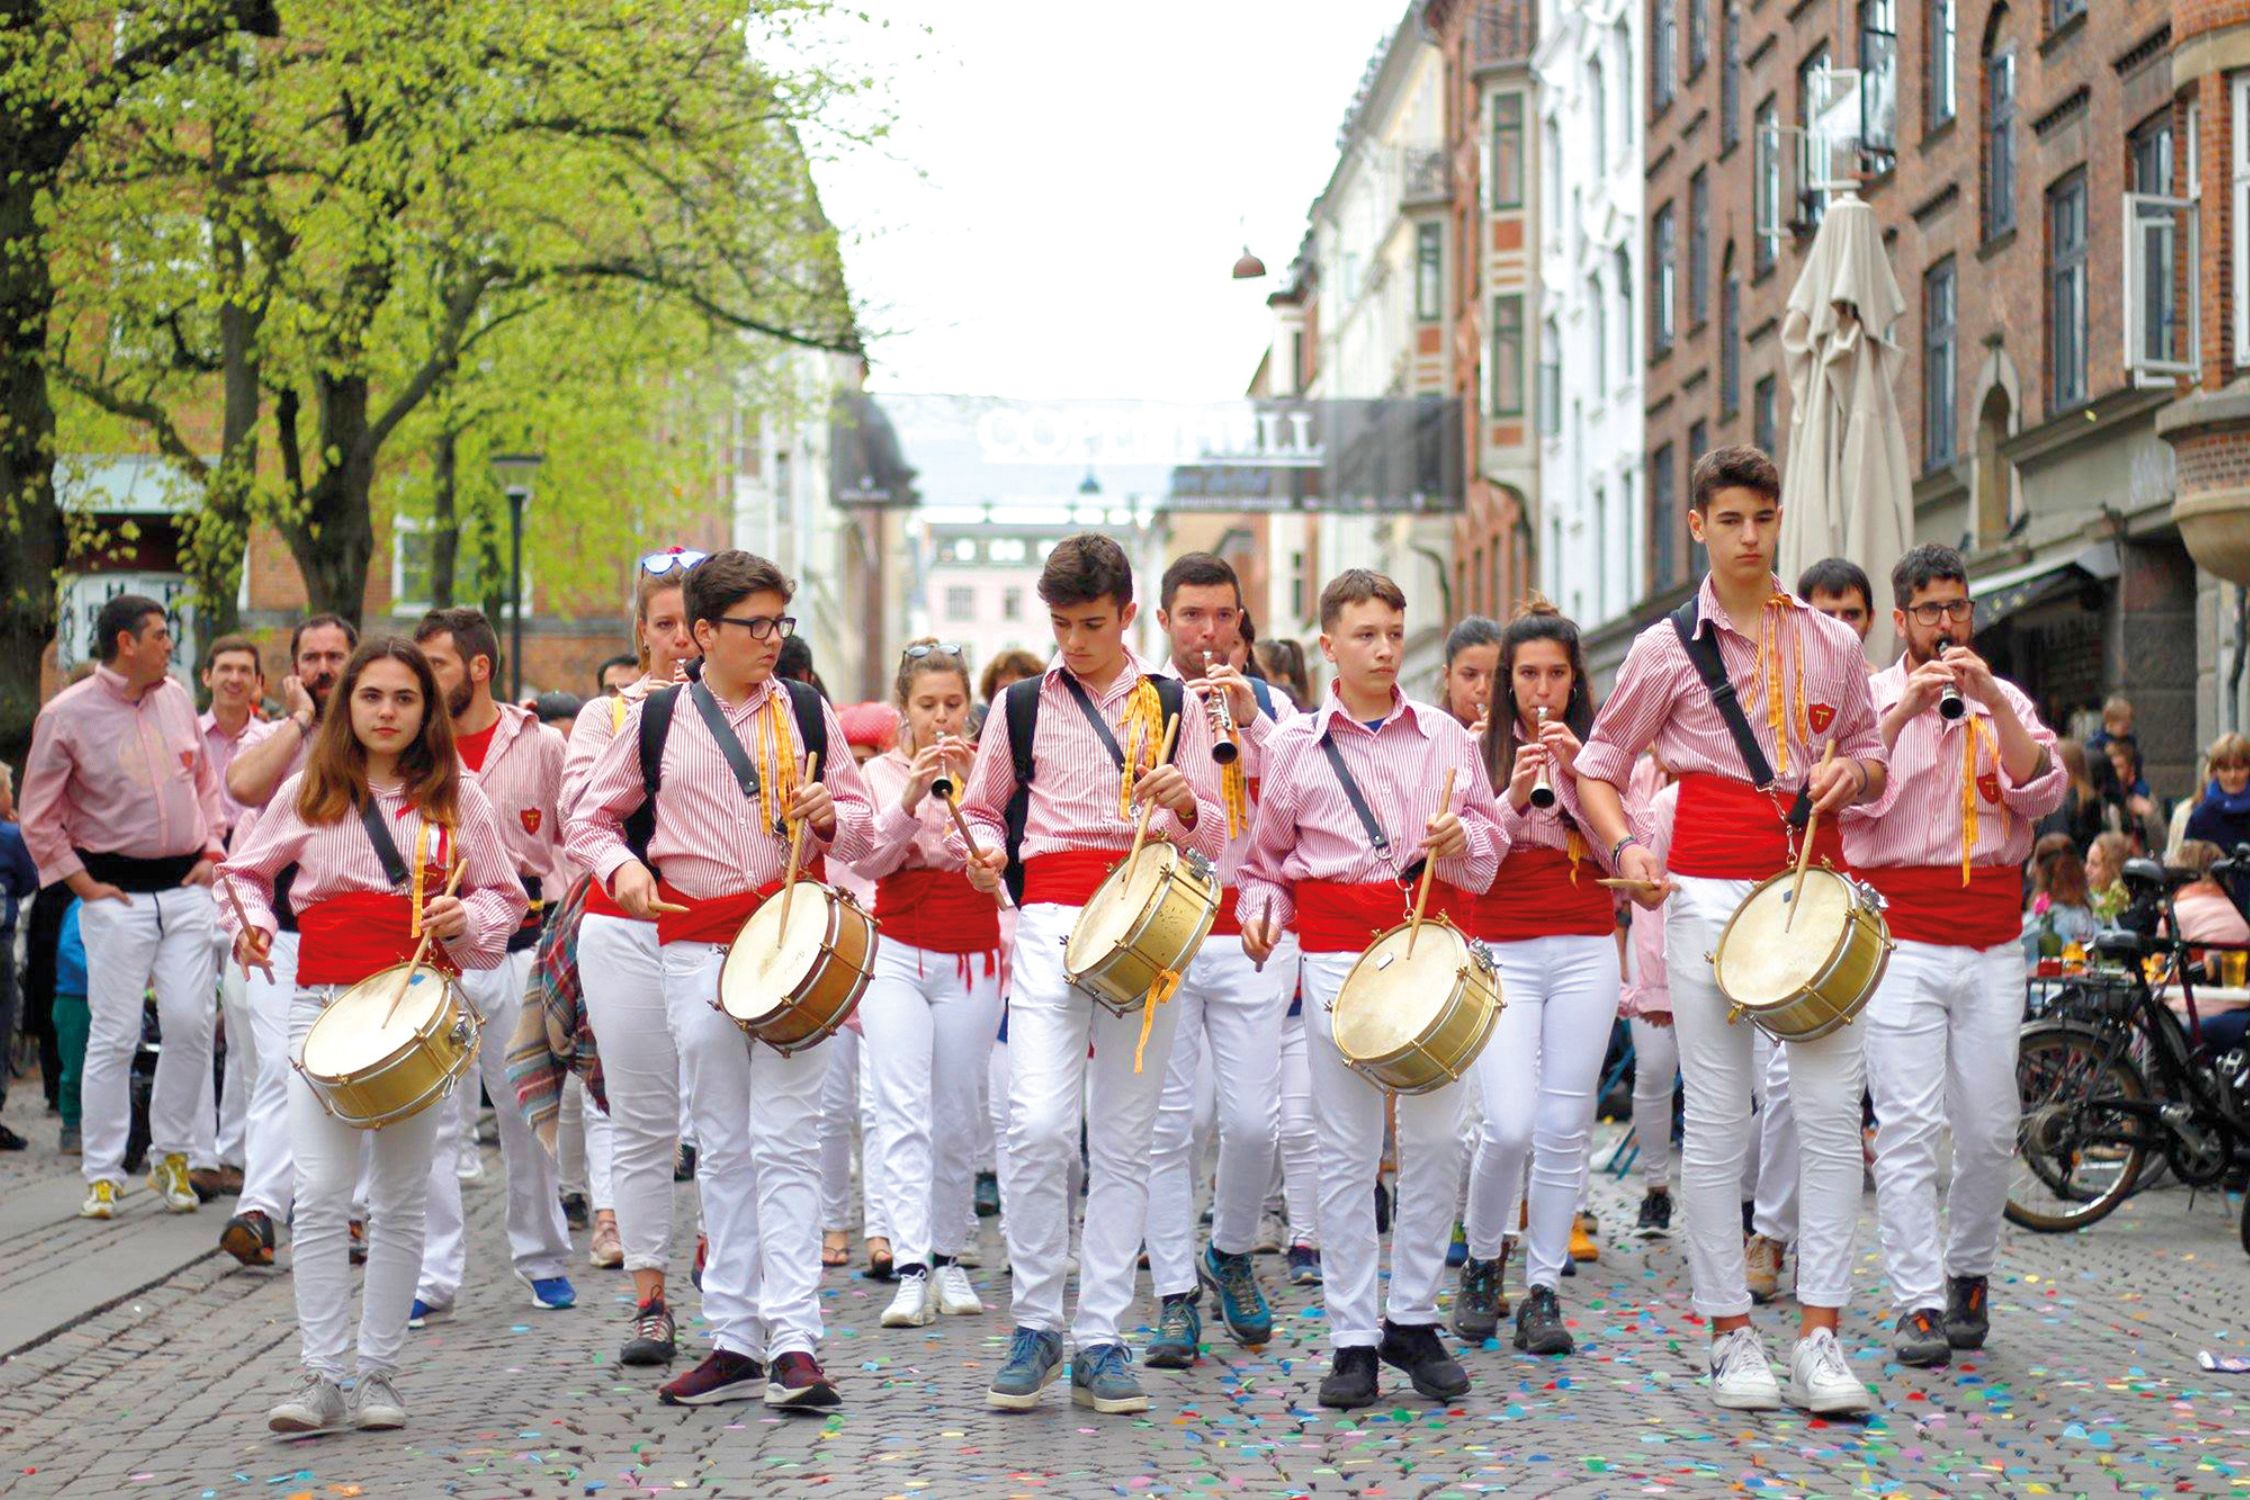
{"x": 933, "y": 1004}
{"x": 1797, "y": 681}
{"x": 729, "y": 779}
{"x": 1472, "y": 671}
{"x": 382, "y": 790}
{"x": 1099, "y": 717}
{"x": 1312, "y": 866}
{"x": 1972, "y": 770}
{"x": 120, "y": 803}
{"x": 235, "y": 679}
{"x": 622, "y": 975}
{"x": 517, "y": 762}
{"x": 1651, "y": 800}
{"x": 1552, "y": 929}
{"x": 1228, "y": 1009}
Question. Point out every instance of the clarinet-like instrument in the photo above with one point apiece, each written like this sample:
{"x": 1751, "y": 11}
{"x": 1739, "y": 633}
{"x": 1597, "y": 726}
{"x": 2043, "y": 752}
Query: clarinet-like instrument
{"x": 1543, "y": 789}
{"x": 1224, "y": 750}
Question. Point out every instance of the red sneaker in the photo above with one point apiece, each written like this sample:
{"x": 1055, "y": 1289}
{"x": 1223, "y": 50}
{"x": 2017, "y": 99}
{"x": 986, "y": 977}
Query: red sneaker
{"x": 723, "y": 1376}
{"x": 797, "y": 1382}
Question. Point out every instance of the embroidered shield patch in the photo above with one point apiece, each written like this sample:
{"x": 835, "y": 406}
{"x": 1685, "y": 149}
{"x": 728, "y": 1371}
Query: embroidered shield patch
{"x": 1988, "y": 787}
{"x": 530, "y": 819}
{"x": 1820, "y": 716}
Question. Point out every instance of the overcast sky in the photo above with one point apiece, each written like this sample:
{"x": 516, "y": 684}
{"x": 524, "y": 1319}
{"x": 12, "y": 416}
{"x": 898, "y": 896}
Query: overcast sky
{"x": 1056, "y": 211}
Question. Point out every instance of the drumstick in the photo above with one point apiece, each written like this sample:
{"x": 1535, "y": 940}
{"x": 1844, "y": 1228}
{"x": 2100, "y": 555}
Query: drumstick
{"x": 1804, "y": 853}
{"x": 421, "y": 949}
{"x": 961, "y": 827}
{"x": 1148, "y": 808}
{"x": 1429, "y": 868}
{"x": 1629, "y": 885}
{"x": 242, "y": 920}
{"x": 796, "y": 844}
{"x": 668, "y": 908}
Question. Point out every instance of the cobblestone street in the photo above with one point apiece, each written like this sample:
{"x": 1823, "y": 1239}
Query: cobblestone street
{"x": 2091, "y": 1387}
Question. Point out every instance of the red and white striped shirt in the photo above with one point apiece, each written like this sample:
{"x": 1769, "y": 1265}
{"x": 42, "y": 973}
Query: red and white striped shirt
{"x": 1252, "y": 735}
{"x": 710, "y": 839}
{"x": 1075, "y": 783}
{"x": 1550, "y": 827}
{"x": 337, "y": 859}
{"x": 1918, "y": 819}
{"x": 223, "y": 748}
{"x": 522, "y": 777}
{"x": 590, "y": 733}
{"x": 1306, "y": 829}
{"x": 112, "y": 774}
{"x": 1650, "y": 804}
{"x": 1660, "y": 699}
{"x": 921, "y": 840}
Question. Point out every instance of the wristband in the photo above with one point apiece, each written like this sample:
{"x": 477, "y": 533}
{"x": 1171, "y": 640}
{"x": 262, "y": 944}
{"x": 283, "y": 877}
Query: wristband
{"x": 1617, "y": 850}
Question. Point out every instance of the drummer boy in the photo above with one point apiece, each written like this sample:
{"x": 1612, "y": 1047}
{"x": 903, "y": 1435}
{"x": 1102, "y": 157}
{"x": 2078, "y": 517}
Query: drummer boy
{"x": 1316, "y": 865}
{"x": 1099, "y": 716}
{"x": 732, "y": 787}
{"x": 1801, "y": 685}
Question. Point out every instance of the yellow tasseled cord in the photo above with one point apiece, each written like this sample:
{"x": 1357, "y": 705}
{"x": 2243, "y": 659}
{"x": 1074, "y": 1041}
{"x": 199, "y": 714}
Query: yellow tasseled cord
{"x": 1781, "y": 704}
{"x": 1972, "y": 746}
{"x": 1144, "y": 735}
{"x": 778, "y": 784}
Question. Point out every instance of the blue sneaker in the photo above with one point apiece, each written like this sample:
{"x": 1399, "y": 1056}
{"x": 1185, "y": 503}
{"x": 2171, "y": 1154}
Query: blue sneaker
{"x": 1304, "y": 1266}
{"x": 1034, "y": 1360}
{"x": 1457, "y": 1248}
{"x": 554, "y": 1293}
{"x": 1179, "y": 1334}
{"x": 421, "y": 1312}
{"x": 1241, "y": 1302}
{"x": 1102, "y": 1378}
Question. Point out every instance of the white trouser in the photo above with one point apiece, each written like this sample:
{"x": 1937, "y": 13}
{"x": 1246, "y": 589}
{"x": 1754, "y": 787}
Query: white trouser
{"x": 1300, "y": 1134}
{"x": 538, "y": 1236}
{"x": 1350, "y": 1123}
{"x": 847, "y": 1136}
{"x": 623, "y": 979}
{"x": 1230, "y": 1014}
{"x": 233, "y": 1103}
{"x": 1656, "y": 1070}
{"x": 1541, "y": 1071}
{"x": 161, "y": 939}
{"x": 1716, "y": 1064}
{"x": 1774, "y": 1211}
{"x": 1941, "y": 1052}
{"x": 757, "y": 1163}
{"x": 328, "y": 1157}
{"x": 269, "y": 1169}
{"x": 929, "y": 1020}
{"x": 1053, "y": 1088}
{"x": 585, "y": 1143}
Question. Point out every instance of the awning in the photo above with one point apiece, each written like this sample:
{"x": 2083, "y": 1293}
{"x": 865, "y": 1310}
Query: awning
{"x": 2017, "y": 589}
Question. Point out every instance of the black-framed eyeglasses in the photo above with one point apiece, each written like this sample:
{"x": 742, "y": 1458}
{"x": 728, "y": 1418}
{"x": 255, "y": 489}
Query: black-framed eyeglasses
{"x": 1956, "y": 610}
{"x": 761, "y": 626}
{"x": 670, "y": 560}
{"x": 921, "y": 649}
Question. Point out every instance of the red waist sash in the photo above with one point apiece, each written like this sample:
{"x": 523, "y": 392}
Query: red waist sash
{"x": 1532, "y": 897}
{"x": 600, "y": 903}
{"x": 1069, "y": 878}
{"x": 1336, "y": 918}
{"x": 937, "y": 910}
{"x": 1928, "y": 903}
{"x": 712, "y": 919}
{"x": 345, "y": 938}
{"x": 1727, "y": 829}
{"x": 1227, "y": 923}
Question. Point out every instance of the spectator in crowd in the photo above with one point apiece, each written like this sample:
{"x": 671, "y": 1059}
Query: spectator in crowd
{"x": 2127, "y": 807}
{"x": 2061, "y": 913}
{"x": 1283, "y": 663}
{"x": 2209, "y": 915}
{"x": 2117, "y": 724}
{"x": 72, "y": 1018}
{"x": 2222, "y": 813}
{"x": 2080, "y": 815}
{"x": 2105, "y": 872}
{"x": 19, "y": 882}
{"x": 1002, "y": 672}
{"x": 617, "y": 674}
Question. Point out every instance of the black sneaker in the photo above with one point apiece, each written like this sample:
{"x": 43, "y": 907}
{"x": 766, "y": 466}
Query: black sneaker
{"x": 1968, "y": 1313}
{"x": 575, "y": 1212}
{"x": 683, "y": 1163}
{"x": 1655, "y": 1222}
{"x": 723, "y": 1376}
{"x": 1921, "y": 1339}
{"x": 655, "y": 1341}
{"x": 1416, "y": 1349}
{"x": 248, "y": 1237}
{"x": 9, "y": 1140}
{"x": 1539, "y": 1324}
{"x": 987, "y": 1195}
{"x": 1350, "y": 1381}
{"x": 1477, "y": 1301}
{"x": 798, "y": 1384}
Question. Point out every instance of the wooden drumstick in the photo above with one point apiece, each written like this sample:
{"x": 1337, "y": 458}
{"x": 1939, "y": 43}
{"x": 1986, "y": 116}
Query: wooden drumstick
{"x": 1148, "y": 808}
{"x": 1429, "y": 868}
{"x": 1804, "y": 852}
{"x": 242, "y": 921}
{"x": 1628, "y": 885}
{"x": 796, "y": 846}
{"x": 421, "y": 949}
{"x": 961, "y": 827}
{"x": 668, "y": 908}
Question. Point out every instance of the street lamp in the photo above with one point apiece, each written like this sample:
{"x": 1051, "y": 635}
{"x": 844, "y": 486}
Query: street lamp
{"x": 515, "y": 472}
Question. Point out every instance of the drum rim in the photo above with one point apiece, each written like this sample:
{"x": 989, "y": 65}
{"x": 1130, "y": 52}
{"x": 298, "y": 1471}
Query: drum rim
{"x": 326, "y": 1087}
{"x": 1820, "y": 975}
{"x": 414, "y": 1039}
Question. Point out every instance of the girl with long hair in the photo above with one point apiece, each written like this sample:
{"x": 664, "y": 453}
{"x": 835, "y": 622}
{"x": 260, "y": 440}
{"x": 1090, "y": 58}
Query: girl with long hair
{"x": 381, "y": 771}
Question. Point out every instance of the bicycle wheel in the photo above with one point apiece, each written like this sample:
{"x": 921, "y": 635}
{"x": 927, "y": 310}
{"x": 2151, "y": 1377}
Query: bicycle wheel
{"x": 2078, "y": 1156}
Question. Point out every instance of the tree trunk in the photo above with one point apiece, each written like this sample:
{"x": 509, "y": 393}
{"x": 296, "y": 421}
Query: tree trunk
{"x": 31, "y": 528}
{"x": 445, "y": 525}
{"x": 218, "y": 534}
{"x": 335, "y": 538}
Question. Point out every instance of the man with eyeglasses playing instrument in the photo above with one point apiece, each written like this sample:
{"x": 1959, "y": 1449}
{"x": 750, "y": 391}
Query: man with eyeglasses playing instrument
{"x": 724, "y": 760}
{"x": 1972, "y": 770}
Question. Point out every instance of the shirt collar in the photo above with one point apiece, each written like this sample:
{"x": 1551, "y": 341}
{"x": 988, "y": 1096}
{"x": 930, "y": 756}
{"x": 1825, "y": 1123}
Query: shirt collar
{"x": 1135, "y": 670}
{"x": 114, "y": 681}
{"x": 1710, "y": 612}
{"x": 1333, "y": 712}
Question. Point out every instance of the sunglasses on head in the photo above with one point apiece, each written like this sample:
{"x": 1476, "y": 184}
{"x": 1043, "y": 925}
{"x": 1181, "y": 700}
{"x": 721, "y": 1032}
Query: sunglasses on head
{"x": 921, "y": 649}
{"x": 671, "y": 559}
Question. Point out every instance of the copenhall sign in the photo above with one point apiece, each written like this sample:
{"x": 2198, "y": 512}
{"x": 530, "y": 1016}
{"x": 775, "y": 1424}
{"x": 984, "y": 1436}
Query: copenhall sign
{"x": 1388, "y": 456}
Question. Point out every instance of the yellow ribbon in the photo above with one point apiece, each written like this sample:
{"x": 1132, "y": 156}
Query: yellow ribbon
{"x": 1165, "y": 986}
{"x": 1778, "y": 701}
{"x": 429, "y": 851}
{"x": 779, "y": 781}
{"x": 1234, "y": 791}
{"x": 1575, "y": 846}
{"x": 1144, "y": 734}
{"x": 1972, "y": 745}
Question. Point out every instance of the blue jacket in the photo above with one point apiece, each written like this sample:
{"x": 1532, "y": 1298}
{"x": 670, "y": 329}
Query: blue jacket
{"x": 19, "y": 877}
{"x": 70, "y": 955}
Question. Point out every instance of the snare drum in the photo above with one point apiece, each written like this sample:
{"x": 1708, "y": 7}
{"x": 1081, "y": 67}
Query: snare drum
{"x": 1146, "y": 920}
{"x": 790, "y": 990}
{"x": 1415, "y": 1024}
{"x": 371, "y": 1066}
{"x": 1805, "y": 981}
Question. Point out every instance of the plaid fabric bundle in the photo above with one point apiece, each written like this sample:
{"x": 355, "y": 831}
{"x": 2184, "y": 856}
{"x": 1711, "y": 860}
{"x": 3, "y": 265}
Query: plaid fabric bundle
{"x": 553, "y": 1037}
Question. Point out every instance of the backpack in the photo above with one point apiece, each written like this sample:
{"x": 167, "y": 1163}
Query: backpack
{"x": 656, "y": 727}
{"x": 1022, "y": 707}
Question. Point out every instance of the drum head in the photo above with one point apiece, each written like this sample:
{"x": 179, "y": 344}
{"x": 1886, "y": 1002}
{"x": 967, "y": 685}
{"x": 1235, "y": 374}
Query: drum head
{"x": 765, "y": 966}
{"x": 351, "y": 1036}
{"x": 1389, "y": 999}
{"x": 1758, "y": 964}
{"x": 1117, "y": 907}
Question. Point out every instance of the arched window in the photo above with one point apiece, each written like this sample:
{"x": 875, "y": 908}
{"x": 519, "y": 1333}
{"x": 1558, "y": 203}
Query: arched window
{"x": 1999, "y": 150}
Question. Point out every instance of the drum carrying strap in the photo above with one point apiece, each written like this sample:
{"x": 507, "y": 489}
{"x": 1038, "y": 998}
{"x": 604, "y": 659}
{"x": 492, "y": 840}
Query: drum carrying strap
{"x": 738, "y": 759}
{"x": 386, "y": 847}
{"x": 1358, "y": 799}
{"x": 1703, "y": 650}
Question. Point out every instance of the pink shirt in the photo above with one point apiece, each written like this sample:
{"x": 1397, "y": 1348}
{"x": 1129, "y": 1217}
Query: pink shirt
{"x": 1548, "y": 827}
{"x": 1660, "y": 699}
{"x": 335, "y": 859}
{"x": 1252, "y": 736}
{"x": 222, "y": 749}
{"x": 710, "y": 840}
{"x": 1074, "y": 783}
{"x": 1917, "y": 821}
{"x": 1306, "y": 829}
{"x": 921, "y": 840}
{"x": 590, "y": 733}
{"x": 117, "y": 775}
{"x": 522, "y": 776}
{"x": 1649, "y": 808}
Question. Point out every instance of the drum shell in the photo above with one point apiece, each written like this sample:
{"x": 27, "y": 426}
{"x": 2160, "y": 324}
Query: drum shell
{"x": 1456, "y": 1031}
{"x": 410, "y": 1078}
{"x": 1164, "y": 936}
{"x": 1839, "y": 989}
{"x": 825, "y": 998}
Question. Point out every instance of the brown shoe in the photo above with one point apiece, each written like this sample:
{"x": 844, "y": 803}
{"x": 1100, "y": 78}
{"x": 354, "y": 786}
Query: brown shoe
{"x": 230, "y": 1182}
{"x": 1762, "y": 1267}
{"x": 205, "y": 1182}
{"x": 249, "y": 1238}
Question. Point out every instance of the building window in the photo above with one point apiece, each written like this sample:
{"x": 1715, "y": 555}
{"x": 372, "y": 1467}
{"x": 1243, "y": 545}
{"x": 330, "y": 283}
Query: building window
{"x": 2066, "y": 292}
{"x": 1507, "y": 150}
{"x": 1999, "y": 142}
{"x": 1939, "y": 102}
{"x": 1765, "y": 415}
{"x": 1698, "y": 35}
{"x": 2160, "y": 336}
{"x": 1597, "y": 318}
{"x": 1878, "y": 83}
{"x": 1812, "y": 94}
{"x": 1621, "y": 69}
{"x": 960, "y": 602}
{"x": 1730, "y": 78}
{"x": 1429, "y": 271}
{"x": 1663, "y": 52}
{"x": 1662, "y": 283}
{"x": 1550, "y": 380}
{"x": 413, "y": 551}
{"x": 1507, "y": 356}
{"x": 1550, "y": 177}
{"x": 1769, "y": 148}
{"x": 1011, "y": 604}
{"x": 1698, "y": 439}
{"x": 1699, "y": 247}
{"x": 1730, "y": 340}
{"x": 1597, "y": 105}
{"x": 1601, "y": 553}
{"x": 1621, "y": 276}
{"x": 2238, "y": 203}
{"x": 2061, "y": 12}
{"x": 1663, "y": 519}
{"x": 1939, "y": 366}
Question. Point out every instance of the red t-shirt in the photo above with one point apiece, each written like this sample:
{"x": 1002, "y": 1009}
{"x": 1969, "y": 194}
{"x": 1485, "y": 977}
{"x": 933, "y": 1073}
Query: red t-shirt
{"x": 473, "y": 747}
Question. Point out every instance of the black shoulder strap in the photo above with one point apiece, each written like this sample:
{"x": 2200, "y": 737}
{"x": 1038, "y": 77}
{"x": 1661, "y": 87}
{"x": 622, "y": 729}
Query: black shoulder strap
{"x": 1023, "y": 723}
{"x": 715, "y": 720}
{"x": 812, "y": 724}
{"x": 1358, "y": 799}
{"x": 1703, "y": 650}
{"x": 656, "y": 727}
{"x": 386, "y": 847}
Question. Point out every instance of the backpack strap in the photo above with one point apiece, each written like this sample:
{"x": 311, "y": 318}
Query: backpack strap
{"x": 812, "y": 724}
{"x": 656, "y": 728}
{"x": 1171, "y": 694}
{"x": 1703, "y": 650}
{"x": 1021, "y": 705}
{"x": 1261, "y": 690}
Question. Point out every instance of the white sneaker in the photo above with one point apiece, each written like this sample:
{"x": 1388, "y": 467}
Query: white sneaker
{"x": 913, "y": 1307}
{"x": 376, "y": 1406}
{"x": 1741, "y": 1380}
{"x": 955, "y": 1296}
{"x": 470, "y": 1168}
{"x": 168, "y": 1179}
{"x": 318, "y": 1407}
{"x": 1821, "y": 1382}
{"x": 101, "y": 1200}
